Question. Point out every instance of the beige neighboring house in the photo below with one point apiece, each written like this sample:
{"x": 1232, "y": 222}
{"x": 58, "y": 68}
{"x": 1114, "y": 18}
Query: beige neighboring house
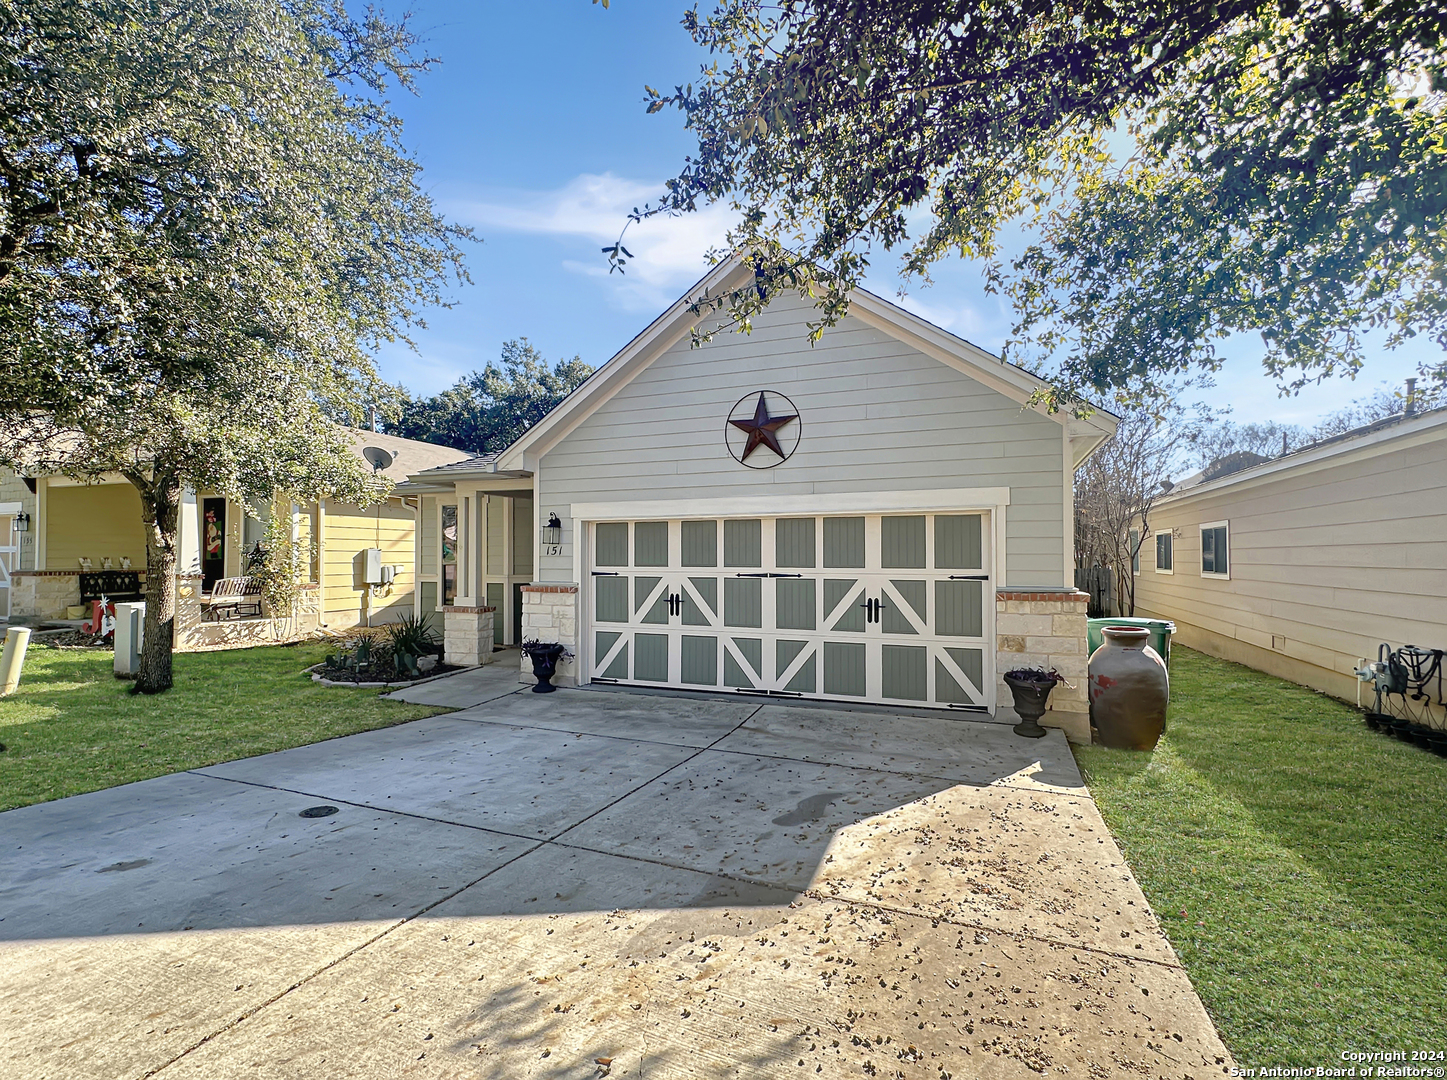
{"x": 880, "y": 517}
{"x": 52, "y": 523}
{"x": 1301, "y": 566}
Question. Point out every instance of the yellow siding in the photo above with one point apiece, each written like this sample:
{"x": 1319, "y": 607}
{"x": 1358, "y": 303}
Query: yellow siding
{"x": 1325, "y": 564}
{"x": 350, "y": 530}
{"x": 93, "y": 522}
{"x": 430, "y": 546}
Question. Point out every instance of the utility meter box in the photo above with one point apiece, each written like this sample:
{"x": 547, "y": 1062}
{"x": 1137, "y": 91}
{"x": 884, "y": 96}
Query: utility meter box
{"x": 371, "y": 559}
{"x": 130, "y": 622}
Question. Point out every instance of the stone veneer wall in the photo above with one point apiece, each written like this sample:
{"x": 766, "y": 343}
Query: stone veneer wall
{"x": 1047, "y": 630}
{"x": 467, "y": 635}
{"x": 43, "y": 594}
{"x": 194, "y": 634}
{"x": 550, "y": 613}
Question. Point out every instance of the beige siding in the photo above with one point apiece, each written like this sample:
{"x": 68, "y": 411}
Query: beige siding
{"x": 876, "y": 416}
{"x": 1329, "y": 561}
{"x": 93, "y": 522}
{"x": 350, "y": 530}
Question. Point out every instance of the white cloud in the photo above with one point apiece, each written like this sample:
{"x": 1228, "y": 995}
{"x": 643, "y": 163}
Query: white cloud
{"x": 985, "y": 329}
{"x": 668, "y": 251}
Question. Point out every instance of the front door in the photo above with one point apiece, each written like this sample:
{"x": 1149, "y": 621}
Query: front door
{"x": 9, "y": 557}
{"x": 887, "y": 608}
{"x": 213, "y": 542}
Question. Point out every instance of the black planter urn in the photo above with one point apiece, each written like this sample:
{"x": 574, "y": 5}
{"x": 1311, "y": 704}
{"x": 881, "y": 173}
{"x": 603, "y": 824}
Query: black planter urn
{"x": 1031, "y": 696}
{"x": 545, "y": 659}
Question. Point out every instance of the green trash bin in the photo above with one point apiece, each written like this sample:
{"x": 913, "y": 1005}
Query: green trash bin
{"x": 1161, "y": 631}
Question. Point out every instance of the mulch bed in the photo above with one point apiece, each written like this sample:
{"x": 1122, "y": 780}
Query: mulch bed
{"x": 377, "y": 676}
{"x": 70, "y": 639}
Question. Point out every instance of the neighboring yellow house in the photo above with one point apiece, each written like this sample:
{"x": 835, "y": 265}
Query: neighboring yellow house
{"x": 53, "y": 523}
{"x": 1301, "y": 566}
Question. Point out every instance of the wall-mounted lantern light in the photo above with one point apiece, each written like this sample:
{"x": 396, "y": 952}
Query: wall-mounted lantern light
{"x": 22, "y": 522}
{"x": 553, "y": 530}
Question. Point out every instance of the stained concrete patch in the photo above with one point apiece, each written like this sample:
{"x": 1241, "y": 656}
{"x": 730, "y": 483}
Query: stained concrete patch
{"x": 676, "y": 721}
{"x": 554, "y": 879}
{"x": 525, "y": 781}
{"x": 120, "y": 1006}
{"x": 949, "y": 747}
{"x": 470, "y": 687}
{"x": 202, "y": 853}
{"x": 717, "y": 813}
{"x": 1002, "y": 859}
{"x": 817, "y": 989}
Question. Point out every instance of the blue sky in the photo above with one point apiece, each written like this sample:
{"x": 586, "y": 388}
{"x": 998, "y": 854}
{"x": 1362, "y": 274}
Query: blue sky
{"x": 532, "y": 130}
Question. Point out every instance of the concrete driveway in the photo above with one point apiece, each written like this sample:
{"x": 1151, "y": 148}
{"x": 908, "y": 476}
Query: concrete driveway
{"x": 590, "y": 883}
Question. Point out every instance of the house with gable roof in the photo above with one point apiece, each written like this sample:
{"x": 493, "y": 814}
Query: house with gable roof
{"x": 882, "y": 517}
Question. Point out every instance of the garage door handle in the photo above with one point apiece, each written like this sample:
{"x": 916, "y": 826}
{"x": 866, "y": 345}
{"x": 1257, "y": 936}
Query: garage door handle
{"x": 751, "y": 575}
{"x": 969, "y": 577}
{"x": 786, "y": 575}
{"x": 605, "y": 573}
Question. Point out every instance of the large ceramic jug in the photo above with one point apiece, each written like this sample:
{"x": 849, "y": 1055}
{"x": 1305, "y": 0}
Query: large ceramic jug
{"x": 1129, "y": 689}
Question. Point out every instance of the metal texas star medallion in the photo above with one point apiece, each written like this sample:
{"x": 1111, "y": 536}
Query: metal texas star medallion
{"x": 762, "y": 429}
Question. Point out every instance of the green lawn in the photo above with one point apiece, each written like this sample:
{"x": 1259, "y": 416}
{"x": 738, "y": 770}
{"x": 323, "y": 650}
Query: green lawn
{"x": 73, "y": 727}
{"x": 1297, "y": 860}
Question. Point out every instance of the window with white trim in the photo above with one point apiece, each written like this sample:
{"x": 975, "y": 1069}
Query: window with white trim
{"x": 1214, "y": 544}
{"x": 1165, "y": 554}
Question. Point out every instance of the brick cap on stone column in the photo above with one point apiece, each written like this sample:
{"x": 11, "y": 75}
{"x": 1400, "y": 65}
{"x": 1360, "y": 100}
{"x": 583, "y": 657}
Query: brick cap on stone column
{"x": 1059, "y": 595}
{"x": 550, "y": 588}
{"x": 454, "y": 610}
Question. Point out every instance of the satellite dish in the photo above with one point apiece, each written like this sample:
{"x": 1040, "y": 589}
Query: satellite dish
{"x": 379, "y": 458}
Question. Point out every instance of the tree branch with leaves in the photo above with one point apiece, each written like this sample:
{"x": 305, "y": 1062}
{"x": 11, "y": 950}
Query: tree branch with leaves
{"x": 1188, "y": 171}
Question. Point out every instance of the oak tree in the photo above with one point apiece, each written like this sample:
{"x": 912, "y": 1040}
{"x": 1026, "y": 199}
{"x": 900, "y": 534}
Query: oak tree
{"x": 1189, "y": 170}
{"x": 207, "y": 221}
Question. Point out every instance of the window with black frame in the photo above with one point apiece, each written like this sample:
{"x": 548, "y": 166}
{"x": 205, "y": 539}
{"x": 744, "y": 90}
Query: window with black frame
{"x": 1213, "y": 549}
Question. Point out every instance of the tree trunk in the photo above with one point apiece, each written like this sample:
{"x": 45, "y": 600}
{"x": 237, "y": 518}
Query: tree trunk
{"x": 161, "y": 511}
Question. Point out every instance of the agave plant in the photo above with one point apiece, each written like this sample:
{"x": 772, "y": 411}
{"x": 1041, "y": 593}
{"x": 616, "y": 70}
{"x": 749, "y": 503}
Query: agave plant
{"x": 411, "y": 637}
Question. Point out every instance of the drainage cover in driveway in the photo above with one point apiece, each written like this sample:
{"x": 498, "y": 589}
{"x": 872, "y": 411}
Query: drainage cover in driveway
{"x": 318, "y": 811}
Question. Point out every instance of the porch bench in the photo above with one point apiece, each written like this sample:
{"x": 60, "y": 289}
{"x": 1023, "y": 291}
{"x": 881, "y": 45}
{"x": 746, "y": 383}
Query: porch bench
{"x": 117, "y": 586}
{"x": 232, "y": 598}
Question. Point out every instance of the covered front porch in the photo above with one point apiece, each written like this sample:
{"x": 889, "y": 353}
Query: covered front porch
{"x": 476, "y": 542}
{"x": 89, "y": 541}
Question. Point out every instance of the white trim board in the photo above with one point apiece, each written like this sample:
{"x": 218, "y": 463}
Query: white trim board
{"x": 839, "y": 502}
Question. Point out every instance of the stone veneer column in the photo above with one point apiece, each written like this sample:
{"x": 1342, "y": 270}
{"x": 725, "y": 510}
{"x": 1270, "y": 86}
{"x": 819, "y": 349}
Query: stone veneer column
{"x": 467, "y": 635}
{"x": 187, "y": 634}
{"x": 1046, "y": 630}
{"x": 550, "y": 613}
